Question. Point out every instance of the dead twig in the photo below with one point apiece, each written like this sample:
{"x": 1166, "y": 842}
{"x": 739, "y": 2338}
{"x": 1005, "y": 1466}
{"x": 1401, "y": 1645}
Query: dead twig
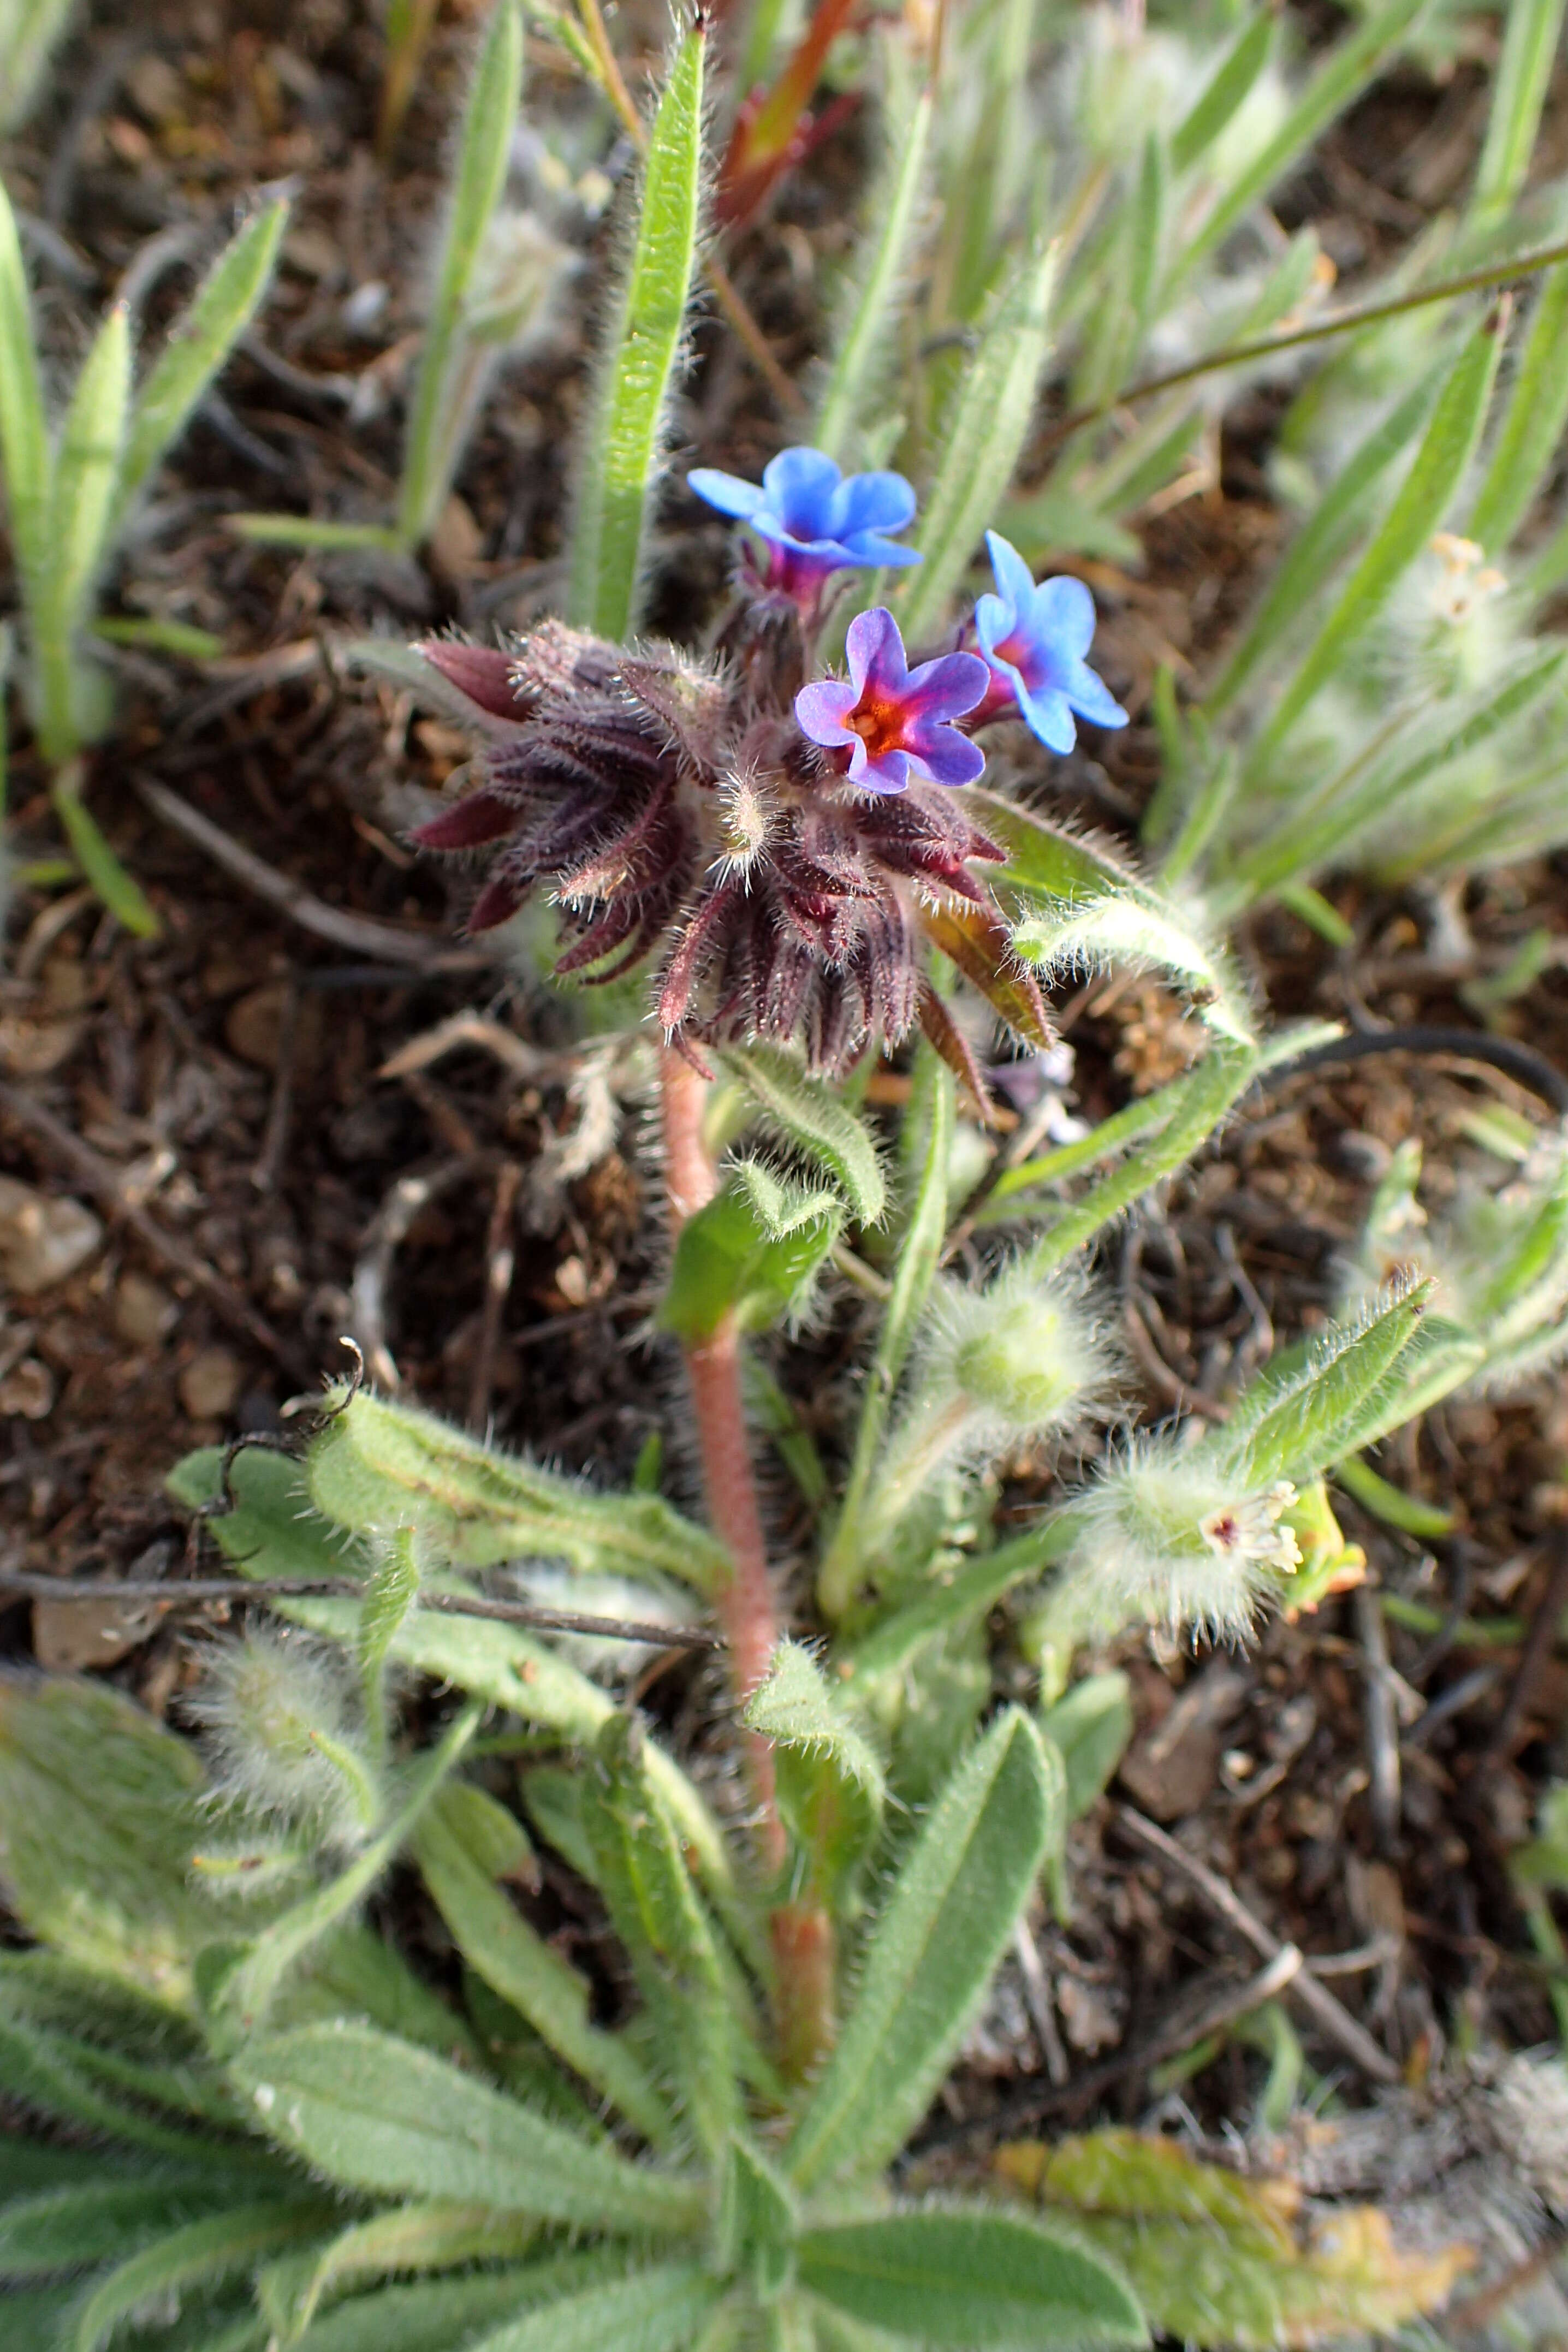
{"x": 391, "y": 1225}
{"x": 103, "y": 1181}
{"x": 1038, "y": 1999}
{"x": 1334, "y": 2020}
{"x": 198, "y": 1591}
{"x": 361, "y": 935}
{"x": 501, "y": 1262}
{"x": 1383, "y": 1792}
{"x": 531, "y": 1064}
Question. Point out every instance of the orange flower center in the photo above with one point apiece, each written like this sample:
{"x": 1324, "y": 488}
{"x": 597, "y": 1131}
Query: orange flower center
{"x": 878, "y": 724}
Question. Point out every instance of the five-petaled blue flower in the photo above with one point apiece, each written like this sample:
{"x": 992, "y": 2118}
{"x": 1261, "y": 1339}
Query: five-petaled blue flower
{"x": 813, "y": 520}
{"x": 1035, "y": 640}
{"x": 891, "y": 717}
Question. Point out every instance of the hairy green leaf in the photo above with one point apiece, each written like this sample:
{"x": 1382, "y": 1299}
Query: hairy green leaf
{"x": 433, "y": 2315}
{"x": 810, "y": 1117}
{"x": 1226, "y": 90}
{"x": 1302, "y": 1415}
{"x": 371, "y": 2112}
{"x": 390, "y": 1592}
{"x": 199, "y": 342}
{"x": 489, "y": 117}
{"x": 970, "y": 2277}
{"x": 200, "y": 2255}
{"x": 882, "y": 256}
{"x": 659, "y": 2308}
{"x": 1532, "y": 422}
{"x": 1530, "y": 30}
{"x": 987, "y": 428}
{"x": 751, "y": 1252}
{"x": 643, "y": 1876}
{"x": 619, "y": 456}
{"x": 930, "y": 1956}
{"x": 515, "y": 1961}
{"x": 830, "y": 1780}
{"x": 1090, "y": 1725}
{"x": 99, "y": 2221}
{"x": 433, "y": 2236}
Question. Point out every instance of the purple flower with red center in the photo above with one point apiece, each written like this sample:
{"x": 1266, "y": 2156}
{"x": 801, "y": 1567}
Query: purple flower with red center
{"x": 813, "y": 520}
{"x": 892, "y": 719}
{"x": 1033, "y": 638}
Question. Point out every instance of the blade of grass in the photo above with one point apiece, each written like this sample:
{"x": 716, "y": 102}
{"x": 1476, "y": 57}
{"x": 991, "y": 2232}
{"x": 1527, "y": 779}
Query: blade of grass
{"x": 852, "y": 380}
{"x": 490, "y": 115}
{"x": 201, "y": 341}
{"x": 1417, "y": 511}
{"x": 1345, "y": 72}
{"x": 1224, "y": 91}
{"x": 98, "y": 864}
{"x": 619, "y": 455}
{"x": 1519, "y": 94}
{"x": 23, "y": 426}
{"x": 986, "y": 429}
{"x": 1532, "y": 424}
{"x": 81, "y": 502}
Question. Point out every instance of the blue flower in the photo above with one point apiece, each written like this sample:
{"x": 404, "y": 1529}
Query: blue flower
{"x": 891, "y": 717}
{"x": 813, "y": 520}
{"x": 1035, "y": 640}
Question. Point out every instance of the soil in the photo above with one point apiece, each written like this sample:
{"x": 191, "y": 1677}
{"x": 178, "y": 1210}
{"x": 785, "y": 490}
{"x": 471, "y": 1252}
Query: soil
{"x": 235, "y": 1102}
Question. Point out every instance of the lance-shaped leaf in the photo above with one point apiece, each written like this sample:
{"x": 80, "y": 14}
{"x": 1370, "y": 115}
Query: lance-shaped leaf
{"x": 436, "y": 2235}
{"x": 971, "y": 2277}
{"x": 23, "y": 424}
{"x": 1346, "y": 71}
{"x": 758, "y": 2217}
{"x": 490, "y": 118}
{"x": 882, "y": 256}
{"x": 1226, "y": 90}
{"x": 432, "y": 2315}
{"x": 654, "y": 1907}
{"x": 199, "y": 342}
{"x": 1090, "y": 1727}
{"x": 372, "y": 2112}
{"x": 390, "y": 1592}
{"x": 378, "y": 1466}
{"x": 80, "y": 502}
{"x": 1417, "y": 511}
{"x": 1519, "y": 94}
{"x": 73, "y": 2229}
{"x": 203, "y": 2254}
{"x": 660, "y": 2307}
{"x": 752, "y": 1252}
{"x": 988, "y": 425}
{"x": 1304, "y": 1415}
{"x": 830, "y": 1780}
{"x": 809, "y": 1116}
{"x": 953, "y": 1906}
{"x": 620, "y": 453}
{"x": 976, "y": 944}
{"x": 1532, "y": 422}
{"x": 515, "y": 1961}
{"x": 1342, "y": 514}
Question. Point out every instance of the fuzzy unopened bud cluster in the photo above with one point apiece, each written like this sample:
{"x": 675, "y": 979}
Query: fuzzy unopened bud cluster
{"x": 283, "y": 1735}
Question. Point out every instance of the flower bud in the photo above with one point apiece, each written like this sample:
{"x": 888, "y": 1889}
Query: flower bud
{"x": 281, "y": 1733}
{"x": 1024, "y": 1355}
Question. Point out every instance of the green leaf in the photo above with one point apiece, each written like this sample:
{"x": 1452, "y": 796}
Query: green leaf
{"x": 1319, "y": 546}
{"x": 811, "y": 1118}
{"x": 515, "y": 1961}
{"x": 1530, "y": 30}
{"x": 830, "y": 1780}
{"x": 757, "y": 2219}
{"x": 1345, "y": 72}
{"x": 433, "y": 2236}
{"x": 371, "y": 2112}
{"x": 619, "y": 455}
{"x": 930, "y": 1956}
{"x": 1391, "y": 1504}
{"x": 955, "y": 1597}
{"x": 1224, "y": 91}
{"x": 987, "y": 427}
{"x": 882, "y": 254}
{"x": 377, "y": 1467}
{"x": 1091, "y": 1727}
{"x": 32, "y": 28}
{"x": 752, "y": 1251}
{"x": 659, "y": 2308}
{"x": 929, "y": 1119}
{"x": 200, "y": 2255}
{"x": 306, "y": 530}
{"x": 390, "y": 1592}
{"x": 176, "y": 637}
{"x": 100, "y": 1808}
{"x": 489, "y": 117}
{"x": 1308, "y": 1412}
{"x": 78, "y": 2227}
{"x": 80, "y": 505}
{"x": 436, "y": 2315}
{"x": 970, "y": 2278}
{"x": 644, "y": 1879}
{"x": 120, "y": 893}
{"x": 199, "y": 342}
{"x": 1537, "y": 410}
{"x": 1417, "y": 511}
{"x": 23, "y": 425}
{"x": 250, "y": 1984}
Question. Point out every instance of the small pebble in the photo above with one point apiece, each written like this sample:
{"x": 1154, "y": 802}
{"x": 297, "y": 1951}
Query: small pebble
{"x": 27, "y": 1391}
{"x": 143, "y": 1314}
{"x": 209, "y": 1384}
{"x": 43, "y": 1238}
